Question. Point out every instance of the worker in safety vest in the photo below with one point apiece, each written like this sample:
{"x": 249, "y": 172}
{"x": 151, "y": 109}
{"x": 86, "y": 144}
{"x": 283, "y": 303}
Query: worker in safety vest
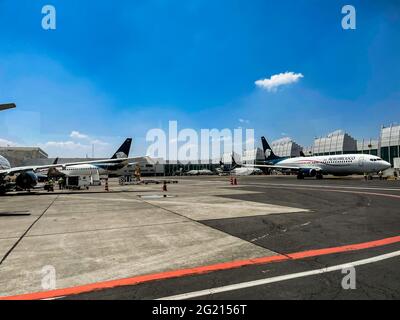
{"x": 61, "y": 183}
{"x": 138, "y": 173}
{"x": 50, "y": 186}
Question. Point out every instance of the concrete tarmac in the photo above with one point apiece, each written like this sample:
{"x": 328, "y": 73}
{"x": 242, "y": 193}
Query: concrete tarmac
{"x": 94, "y": 237}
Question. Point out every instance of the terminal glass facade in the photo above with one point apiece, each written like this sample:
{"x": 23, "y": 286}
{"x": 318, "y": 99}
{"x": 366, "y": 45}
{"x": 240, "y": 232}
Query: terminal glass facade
{"x": 390, "y": 143}
{"x": 368, "y": 146}
{"x": 252, "y": 156}
{"x": 337, "y": 142}
{"x": 286, "y": 147}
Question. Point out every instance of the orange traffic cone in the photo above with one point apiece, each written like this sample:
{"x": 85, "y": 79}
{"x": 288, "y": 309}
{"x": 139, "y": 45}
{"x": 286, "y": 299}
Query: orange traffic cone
{"x": 165, "y": 187}
{"x": 236, "y": 182}
{"x": 231, "y": 181}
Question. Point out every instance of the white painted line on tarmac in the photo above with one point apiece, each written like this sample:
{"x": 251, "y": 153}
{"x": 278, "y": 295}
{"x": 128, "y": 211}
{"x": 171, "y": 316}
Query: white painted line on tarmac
{"x": 261, "y": 282}
{"x": 73, "y": 197}
{"x": 320, "y": 186}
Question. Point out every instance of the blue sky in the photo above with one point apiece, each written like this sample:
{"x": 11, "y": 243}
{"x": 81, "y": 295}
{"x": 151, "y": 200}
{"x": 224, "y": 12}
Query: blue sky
{"x": 116, "y": 69}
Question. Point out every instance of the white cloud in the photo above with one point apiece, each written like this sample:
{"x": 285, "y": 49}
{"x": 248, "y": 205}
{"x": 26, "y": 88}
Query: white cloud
{"x": 224, "y": 138}
{"x": 66, "y": 149}
{"x": 78, "y": 135}
{"x": 73, "y": 149}
{"x": 7, "y": 143}
{"x": 72, "y": 145}
{"x": 244, "y": 121}
{"x": 272, "y": 84}
{"x": 99, "y": 143}
{"x": 69, "y": 145}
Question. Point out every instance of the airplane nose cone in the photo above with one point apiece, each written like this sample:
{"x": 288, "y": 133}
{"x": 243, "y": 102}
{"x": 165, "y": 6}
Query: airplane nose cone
{"x": 386, "y": 165}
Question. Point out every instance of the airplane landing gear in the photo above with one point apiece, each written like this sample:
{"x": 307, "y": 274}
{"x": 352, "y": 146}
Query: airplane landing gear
{"x": 319, "y": 176}
{"x": 300, "y": 176}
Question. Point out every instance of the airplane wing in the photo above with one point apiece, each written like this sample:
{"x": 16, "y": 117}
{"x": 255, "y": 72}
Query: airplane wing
{"x": 271, "y": 166}
{"x": 7, "y": 106}
{"x": 16, "y": 170}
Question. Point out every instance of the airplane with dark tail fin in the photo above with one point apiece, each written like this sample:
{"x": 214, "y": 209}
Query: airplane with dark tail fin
{"x": 27, "y": 177}
{"x": 318, "y": 166}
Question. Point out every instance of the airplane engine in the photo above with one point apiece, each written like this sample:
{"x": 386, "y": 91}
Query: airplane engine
{"x": 309, "y": 172}
{"x": 26, "y": 180}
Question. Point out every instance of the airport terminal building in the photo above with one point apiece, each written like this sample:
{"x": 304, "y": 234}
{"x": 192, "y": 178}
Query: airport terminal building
{"x": 252, "y": 156}
{"x": 368, "y": 146}
{"x": 286, "y": 147}
{"x": 337, "y": 142}
{"x": 387, "y": 146}
{"x": 20, "y": 156}
{"x": 389, "y": 143}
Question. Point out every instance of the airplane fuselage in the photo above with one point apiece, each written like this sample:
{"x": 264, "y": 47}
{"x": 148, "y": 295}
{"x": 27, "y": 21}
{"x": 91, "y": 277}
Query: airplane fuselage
{"x": 104, "y": 169}
{"x": 339, "y": 164}
{"x": 245, "y": 171}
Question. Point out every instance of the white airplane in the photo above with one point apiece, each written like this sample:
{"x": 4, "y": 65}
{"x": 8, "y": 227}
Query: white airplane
{"x": 111, "y": 169}
{"x": 238, "y": 170}
{"x": 27, "y": 177}
{"x": 245, "y": 171}
{"x": 317, "y": 166}
{"x": 199, "y": 173}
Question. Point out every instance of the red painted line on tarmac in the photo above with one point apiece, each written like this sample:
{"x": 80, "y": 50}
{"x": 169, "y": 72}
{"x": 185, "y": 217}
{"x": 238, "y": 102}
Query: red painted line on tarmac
{"x": 347, "y": 248}
{"x": 200, "y": 270}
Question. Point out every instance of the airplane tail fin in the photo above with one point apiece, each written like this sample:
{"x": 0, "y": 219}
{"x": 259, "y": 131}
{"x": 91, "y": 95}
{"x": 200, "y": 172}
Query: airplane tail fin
{"x": 268, "y": 153}
{"x": 234, "y": 163}
{"x": 123, "y": 151}
{"x": 53, "y": 172}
